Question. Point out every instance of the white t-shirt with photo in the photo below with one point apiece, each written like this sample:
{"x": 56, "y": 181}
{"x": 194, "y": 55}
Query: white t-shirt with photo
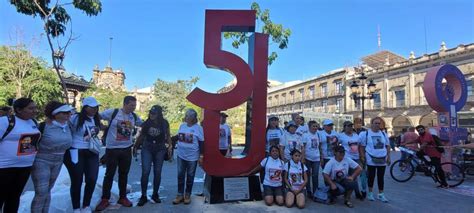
{"x": 375, "y": 145}
{"x": 312, "y": 145}
{"x": 81, "y": 137}
{"x": 188, "y": 141}
{"x": 275, "y": 136}
{"x": 120, "y": 133}
{"x": 224, "y": 134}
{"x": 328, "y": 141}
{"x": 18, "y": 148}
{"x": 292, "y": 141}
{"x": 273, "y": 171}
{"x": 295, "y": 174}
{"x": 350, "y": 144}
{"x": 338, "y": 171}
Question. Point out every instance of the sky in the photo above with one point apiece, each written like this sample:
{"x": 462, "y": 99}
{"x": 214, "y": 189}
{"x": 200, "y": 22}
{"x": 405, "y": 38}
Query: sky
{"x": 165, "y": 39}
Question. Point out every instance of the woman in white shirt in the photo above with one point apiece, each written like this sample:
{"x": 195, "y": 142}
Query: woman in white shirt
{"x": 274, "y": 134}
{"x": 375, "y": 151}
{"x": 292, "y": 141}
{"x": 296, "y": 179}
{"x": 273, "y": 168}
{"x": 18, "y": 151}
{"x": 311, "y": 141}
{"x": 189, "y": 150}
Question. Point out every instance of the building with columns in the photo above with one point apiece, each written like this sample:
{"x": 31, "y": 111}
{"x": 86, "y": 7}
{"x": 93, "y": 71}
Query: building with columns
{"x": 398, "y": 97}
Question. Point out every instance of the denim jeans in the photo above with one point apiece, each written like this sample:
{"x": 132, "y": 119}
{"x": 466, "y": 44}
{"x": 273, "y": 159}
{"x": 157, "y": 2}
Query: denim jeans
{"x": 342, "y": 187}
{"x": 157, "y": 157}
{"x": 121, "y": 158}
{"x": 44, "y": 173}
{"x": 187, "y": 168}
{"x": 86, "y": 168}
{"x": 313, "y": 173}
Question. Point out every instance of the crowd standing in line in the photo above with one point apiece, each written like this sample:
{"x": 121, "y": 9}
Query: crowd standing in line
{"x": 350, "y": 160}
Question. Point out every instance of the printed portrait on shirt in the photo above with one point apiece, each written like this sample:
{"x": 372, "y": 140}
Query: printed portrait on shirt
{"x": 275, "y": 174}
{"x": 27, "y": 144}
{"x": 377, "y": 141}
{"x": 339, "y": 174}
{"x": 331, "y": 141}
{"x": 185, "y": 137}
{"x": 222, "y": 133}
{"x": 94, "y": 131}
{"x": 314, "y": 143}
{"x": 124, "y": 130}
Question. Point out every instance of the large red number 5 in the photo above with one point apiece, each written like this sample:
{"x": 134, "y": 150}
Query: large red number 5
{"x": 251, "y": 84}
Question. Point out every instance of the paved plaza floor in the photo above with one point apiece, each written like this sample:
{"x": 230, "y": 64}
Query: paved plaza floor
{"x": 417, "y": 195}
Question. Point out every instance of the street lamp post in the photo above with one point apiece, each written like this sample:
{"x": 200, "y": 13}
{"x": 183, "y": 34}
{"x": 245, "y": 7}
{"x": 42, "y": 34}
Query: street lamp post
{"x": 359, "y": 93}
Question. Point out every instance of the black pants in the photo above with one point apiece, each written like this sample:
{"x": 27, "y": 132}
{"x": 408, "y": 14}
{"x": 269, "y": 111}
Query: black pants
{"x": 372, "y": 170}
{"x": 121, "y": 158}
{"x": 436, "y": 162}
{"x": 88, "y": 167}
{"x": 12, "y": 183}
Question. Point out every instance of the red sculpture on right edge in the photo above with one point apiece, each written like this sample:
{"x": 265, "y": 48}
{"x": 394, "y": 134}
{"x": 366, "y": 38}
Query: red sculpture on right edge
{"x": 251, "y": 84}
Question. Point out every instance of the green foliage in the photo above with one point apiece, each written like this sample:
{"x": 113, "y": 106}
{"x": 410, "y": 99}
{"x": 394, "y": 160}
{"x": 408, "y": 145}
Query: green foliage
{"x": 172, "y": 97}
{"x": 54, "y": 14}
{"x": 22, "y": 75}
{"x": 108, "y": 99}
{"x": 278, "y": 34}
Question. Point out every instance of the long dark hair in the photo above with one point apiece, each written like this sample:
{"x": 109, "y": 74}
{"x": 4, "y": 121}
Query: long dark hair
{"x": 82, "y": 117}
{"x": 160, "y": 120}
{"x": 20, "y": 103}
{"x": 269, "y": 125}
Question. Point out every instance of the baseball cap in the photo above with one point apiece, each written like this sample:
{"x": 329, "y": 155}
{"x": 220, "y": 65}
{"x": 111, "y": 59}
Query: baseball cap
{"x": 155, "y": 109}
{"x": 327, "y": 122}
{"x": 273, "y": 117}
{"x": 347, "y": 123}
{"x": 90, "y": 101}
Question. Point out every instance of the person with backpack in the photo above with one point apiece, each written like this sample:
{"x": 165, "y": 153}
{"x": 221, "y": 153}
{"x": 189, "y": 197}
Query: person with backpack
{"x": 271, "y": 176}
{"x": 375, "y": 152}
{"x": 119, "y": 141}
{"x": 295, "y": 178}
{"x": 291, "y": 141}
{"x": 55, "y": 140}
{"x": 82, "y": 159}
{"x": 274, "y": 134}
{"x": 155, "y": 141}
{"x": 350, "y": 141}
{"x": 340, "y": 180}
{"x": 311, "y": 141}
{"x": 431, "y": 145}
{"x": 19, "y": 135}
{"x": 189, "y": 149}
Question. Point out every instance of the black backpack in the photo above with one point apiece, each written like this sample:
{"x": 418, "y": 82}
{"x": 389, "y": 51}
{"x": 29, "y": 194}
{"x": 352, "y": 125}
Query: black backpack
{"x": 11, "y": 125}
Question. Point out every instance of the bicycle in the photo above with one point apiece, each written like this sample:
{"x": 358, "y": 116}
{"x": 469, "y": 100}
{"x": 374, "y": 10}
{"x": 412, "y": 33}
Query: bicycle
{"x": 403, "y": 170}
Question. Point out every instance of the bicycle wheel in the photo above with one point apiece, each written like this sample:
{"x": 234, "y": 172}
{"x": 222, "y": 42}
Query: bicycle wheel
{"x": 402, "y": 170}
{"x": 454, "y": 174}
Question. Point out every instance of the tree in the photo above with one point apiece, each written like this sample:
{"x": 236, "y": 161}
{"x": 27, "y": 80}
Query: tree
{"x": 279, "y": 35}
{"x": 22, "y": 75}
{"x": 172, "y": 97}
{"x": 108, "y": 99}
{"x": 55, "y": 18}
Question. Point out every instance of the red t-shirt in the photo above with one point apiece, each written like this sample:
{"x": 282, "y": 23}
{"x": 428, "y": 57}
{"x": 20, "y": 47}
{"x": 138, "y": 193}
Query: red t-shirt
{"x": 430, "y": 148}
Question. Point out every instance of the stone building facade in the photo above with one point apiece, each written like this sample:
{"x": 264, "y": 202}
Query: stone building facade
{"x": 398, "y": 98}
{"x": 109, "y": 78}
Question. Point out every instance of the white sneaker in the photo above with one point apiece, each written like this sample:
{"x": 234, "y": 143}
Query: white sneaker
{"x": 77, "y": 211}
{"x": 86, "y": 210}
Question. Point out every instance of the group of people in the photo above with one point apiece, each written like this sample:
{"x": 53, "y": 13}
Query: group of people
{"x": 296, "y": 154}
{"x": 350, "y": 160}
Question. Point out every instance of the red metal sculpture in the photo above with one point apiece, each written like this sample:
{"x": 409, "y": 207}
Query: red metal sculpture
{"x": 251, "y": 83}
